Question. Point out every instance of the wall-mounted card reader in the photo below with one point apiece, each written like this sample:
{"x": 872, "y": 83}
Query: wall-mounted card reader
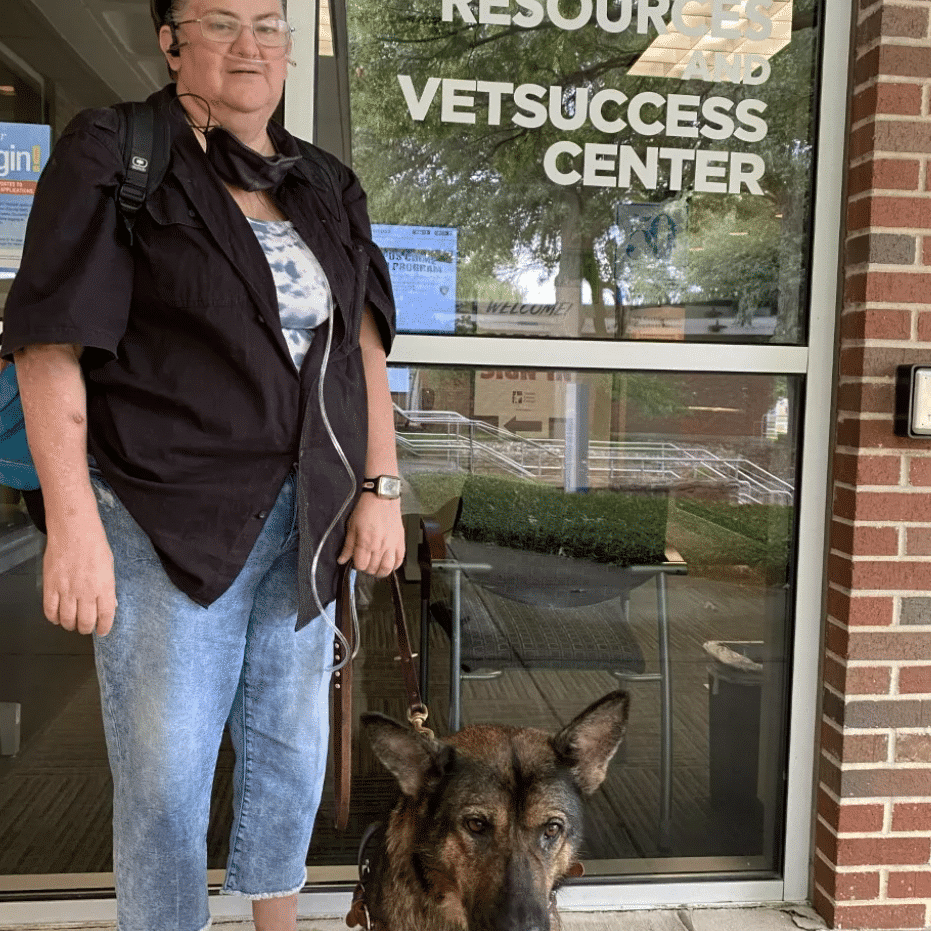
{"x": 913, "y": 401}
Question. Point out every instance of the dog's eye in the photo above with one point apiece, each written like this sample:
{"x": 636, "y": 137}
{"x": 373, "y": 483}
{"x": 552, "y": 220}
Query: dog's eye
{"x": 476, "y": 825}
{"x": 552, "y": 830}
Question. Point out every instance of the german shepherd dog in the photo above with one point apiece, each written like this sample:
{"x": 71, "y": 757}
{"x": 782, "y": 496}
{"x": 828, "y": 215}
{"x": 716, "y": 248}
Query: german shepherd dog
{"x": 488, "y": 825}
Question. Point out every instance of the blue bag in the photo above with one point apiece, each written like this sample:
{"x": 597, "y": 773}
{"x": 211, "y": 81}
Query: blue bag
{"x": 16, "y": 467}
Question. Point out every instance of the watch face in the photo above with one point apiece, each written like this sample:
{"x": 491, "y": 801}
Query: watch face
{"x": 388, "y": 487}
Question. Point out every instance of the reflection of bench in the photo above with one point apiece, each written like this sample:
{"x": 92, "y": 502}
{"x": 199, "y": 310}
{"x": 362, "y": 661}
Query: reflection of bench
{"x": 507, "y": 599}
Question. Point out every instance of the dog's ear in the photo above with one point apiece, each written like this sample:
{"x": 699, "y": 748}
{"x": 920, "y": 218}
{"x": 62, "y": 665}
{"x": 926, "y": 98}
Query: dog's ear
{"x": 412, "y": 758}
{"x": 588, "y": 742}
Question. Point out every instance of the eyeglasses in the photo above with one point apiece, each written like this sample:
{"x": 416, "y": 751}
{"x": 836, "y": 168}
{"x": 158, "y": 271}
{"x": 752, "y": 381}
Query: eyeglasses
{"x": 218, "y": 27}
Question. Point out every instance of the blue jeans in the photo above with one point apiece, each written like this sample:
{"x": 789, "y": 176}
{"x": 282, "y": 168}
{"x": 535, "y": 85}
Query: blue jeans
{"x": 172, "y": 674}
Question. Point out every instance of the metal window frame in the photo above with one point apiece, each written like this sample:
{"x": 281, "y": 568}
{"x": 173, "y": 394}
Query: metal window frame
{"x": 84, "y": 898}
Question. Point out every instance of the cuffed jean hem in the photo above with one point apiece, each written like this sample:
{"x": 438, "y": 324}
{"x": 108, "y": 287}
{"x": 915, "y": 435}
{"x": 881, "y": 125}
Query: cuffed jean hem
{"x": 256, "y": 896}
{"x": 206, "y": 927}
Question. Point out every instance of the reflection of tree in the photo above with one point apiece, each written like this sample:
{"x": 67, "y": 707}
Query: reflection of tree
{"x": 488, "y": 180}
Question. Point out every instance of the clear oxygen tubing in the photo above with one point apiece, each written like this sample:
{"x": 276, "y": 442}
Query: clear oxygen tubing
{"x": 349, "y": 654}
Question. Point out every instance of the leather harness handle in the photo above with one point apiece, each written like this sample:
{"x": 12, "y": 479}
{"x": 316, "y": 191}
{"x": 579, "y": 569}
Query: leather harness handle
{"x": 342, "y": 688}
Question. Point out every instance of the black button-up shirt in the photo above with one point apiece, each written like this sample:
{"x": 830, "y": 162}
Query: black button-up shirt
{"x": 196, "y": 412}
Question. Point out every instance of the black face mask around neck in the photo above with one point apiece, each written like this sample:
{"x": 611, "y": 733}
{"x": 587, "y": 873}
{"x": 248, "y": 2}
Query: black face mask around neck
{"x": 243, "y": 167}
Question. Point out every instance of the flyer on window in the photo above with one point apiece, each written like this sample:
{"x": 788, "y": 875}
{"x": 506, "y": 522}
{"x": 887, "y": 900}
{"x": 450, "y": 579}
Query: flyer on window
{"x": 24, "y": 150}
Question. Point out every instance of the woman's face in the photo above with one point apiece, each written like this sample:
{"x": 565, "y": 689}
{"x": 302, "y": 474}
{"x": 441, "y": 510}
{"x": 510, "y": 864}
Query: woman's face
{"x": 238, "y": 78}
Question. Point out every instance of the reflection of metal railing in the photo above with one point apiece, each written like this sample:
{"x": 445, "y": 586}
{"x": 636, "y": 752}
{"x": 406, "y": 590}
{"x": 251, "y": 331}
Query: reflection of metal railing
{"x": 458, "y": 442}
{"x": 467, "y": 443}
{"x": 670, "y": 462}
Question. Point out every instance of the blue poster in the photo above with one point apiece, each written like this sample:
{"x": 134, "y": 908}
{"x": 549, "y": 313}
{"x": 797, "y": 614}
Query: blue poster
{"x": 422, "y": 262}
{"x": 24, "y": 150}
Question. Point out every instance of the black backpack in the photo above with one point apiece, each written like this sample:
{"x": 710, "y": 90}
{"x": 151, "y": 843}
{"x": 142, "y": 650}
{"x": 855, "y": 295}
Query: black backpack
{"x": 146, "y": 144}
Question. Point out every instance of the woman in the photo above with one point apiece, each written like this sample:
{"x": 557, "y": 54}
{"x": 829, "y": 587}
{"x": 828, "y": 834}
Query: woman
{"x": 185, "y": 360}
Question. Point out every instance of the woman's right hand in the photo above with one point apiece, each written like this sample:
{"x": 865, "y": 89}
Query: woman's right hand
{"x": 79, "y": 591}
{"x": 78, "y": 588}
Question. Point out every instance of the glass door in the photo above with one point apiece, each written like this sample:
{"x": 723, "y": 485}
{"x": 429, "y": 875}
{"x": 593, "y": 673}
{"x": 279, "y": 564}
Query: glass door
{"x": 600, "y": 222}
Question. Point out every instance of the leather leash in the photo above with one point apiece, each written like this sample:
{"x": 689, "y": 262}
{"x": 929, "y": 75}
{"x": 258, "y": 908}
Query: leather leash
{"x": 342, "y": 688}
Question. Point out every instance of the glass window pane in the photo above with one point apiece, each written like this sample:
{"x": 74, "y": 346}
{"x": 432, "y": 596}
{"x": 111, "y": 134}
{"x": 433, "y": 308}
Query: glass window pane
{"x": 609, "y": 530}
{"x": 589, "y": 169}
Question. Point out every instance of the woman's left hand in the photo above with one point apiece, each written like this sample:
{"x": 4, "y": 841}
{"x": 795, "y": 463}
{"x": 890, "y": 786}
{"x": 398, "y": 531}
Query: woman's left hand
{"x": 374, "y": 536}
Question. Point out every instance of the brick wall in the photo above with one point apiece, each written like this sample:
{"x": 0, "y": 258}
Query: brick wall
{"x": 873, "y": 836}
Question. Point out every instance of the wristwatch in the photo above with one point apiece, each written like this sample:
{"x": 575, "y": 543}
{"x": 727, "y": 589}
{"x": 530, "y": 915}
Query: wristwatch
{"x": 384, "y": 486}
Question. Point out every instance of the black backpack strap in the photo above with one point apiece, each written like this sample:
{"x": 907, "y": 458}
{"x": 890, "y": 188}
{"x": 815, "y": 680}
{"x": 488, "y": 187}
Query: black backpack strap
{"x": 146, "y": 145}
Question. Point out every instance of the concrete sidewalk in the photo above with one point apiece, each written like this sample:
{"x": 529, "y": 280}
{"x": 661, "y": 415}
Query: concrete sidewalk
{"x": 790, "y": 918}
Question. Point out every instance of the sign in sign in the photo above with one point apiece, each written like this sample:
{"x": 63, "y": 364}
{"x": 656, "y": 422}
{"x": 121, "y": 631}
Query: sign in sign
{"x": 422, "y": 263}
{"x": 24, "y": 150}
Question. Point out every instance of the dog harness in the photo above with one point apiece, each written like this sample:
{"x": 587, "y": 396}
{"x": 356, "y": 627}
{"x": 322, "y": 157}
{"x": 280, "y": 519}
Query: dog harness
{"x": 371, "y": 857}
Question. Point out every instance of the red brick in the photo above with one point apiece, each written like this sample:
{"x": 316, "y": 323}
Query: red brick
{"x": 890, "y": 174}
{"x": 890, "y": 211}
{"x": 904, "y": 61}
{"x": 908, "y": 22}
{"x": 878, "y": 361}
{"x": 866, "y": 469}
{"x": 827, "y": 842}
{"x": 837, "y": 639}
{"x": 858, "y": 540}
{"x": 830, "y": 774}
{"x": 860, "y": 819}
{"x": 883, "y": 782}
{"x": 910, "y": 885}
{"x": 886, "y": 646}
{"x": 877, "y": 324}
{"x": 828, "y": 807}
{"x": 899, "y": 917}
{"x": 854, "y": 292}
{"x": 919, "y": 471}
{"x": 915, "y": 680}
{"x": 926, "y": 250}
{"x": 869, "y": 29}
{"x": 918, "y": 541}
{"x": 856, "y": 887}
{"x": 892, "y": 135}
{"x": 911, "y": 816}
{"x": 824, "y": 905}
{"x": 846, "y": 887}
{"x": 835, "y": 674}
{"x": 865, "y": 748}
{"x": 888, "y": 506}
{"x": 899, "y": 98}
{"x": 866, "y": 397}
{"x": 868, "y": 680}
{"x": 875, "y": 541}
{"x": 860, "y": 610}
{"x": 874, "y": 851}
{"x": 896, "y": 174}
{"x": 889, "y": 575}
{"x": 923, "y": 320}
{"x": 866, "y": 67}
{"x": 863, "y": 106}
{"x": 861, "y": 143}
{"x": 871, "y": 434}
{"x": 899, "y": 287}
{"x": 832, "y": 739}
{"x": 912, "y": 748}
